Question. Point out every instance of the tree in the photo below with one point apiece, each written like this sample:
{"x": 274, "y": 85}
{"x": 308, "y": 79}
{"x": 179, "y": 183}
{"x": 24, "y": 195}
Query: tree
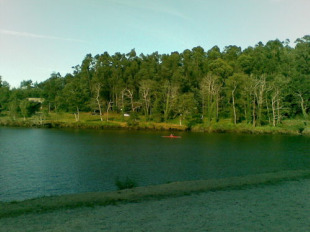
{"x": 52, "y": 88}
{"x": 194, "y": 65}
{"x": 24, "y": 106}
{"x": 210, "y": 90}
{"x": 302, "y": 52}
{"x": 245, "y": 61}
{"x": 109, "y": 106}
{"x": 260, "y": 94}
{"x": 250, "y": 91}
{"x": 26, "y": 84}
{"x": 301, "y": 80}
{"x": 235, "y": 84}
{"x": 86, "y": 74}
{"x": 214, "y": 53}
{"x": 187, "y": 106}
{"x": 231, "y": 54}
{"x": 76, "y": 98}
{"x": 146, "y": 91}
{"x": 221, "y": 68}
{"x": 301, "y": 89}
{"x": 4, "y": 94}
{"x": 170, "y": 96}
{"x": 13, "y": 109}
{"x": 97, "y": 88}
{"x": 134, "y": 104}
{"x": 276, "y": 87}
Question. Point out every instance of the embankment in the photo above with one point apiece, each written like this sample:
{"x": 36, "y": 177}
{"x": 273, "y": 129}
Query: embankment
{"x": 175, "y": 189}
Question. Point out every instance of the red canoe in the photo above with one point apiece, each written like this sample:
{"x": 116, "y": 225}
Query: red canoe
{"x": 172, "y": 136}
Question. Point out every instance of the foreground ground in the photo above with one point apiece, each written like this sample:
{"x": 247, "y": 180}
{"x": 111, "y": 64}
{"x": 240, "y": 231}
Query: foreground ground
{"x": 280, "y": 207}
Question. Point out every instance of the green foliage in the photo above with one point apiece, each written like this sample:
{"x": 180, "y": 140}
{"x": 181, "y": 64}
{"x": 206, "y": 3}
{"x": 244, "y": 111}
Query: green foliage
{"x": 194, "y": 120}
{"x": 260, "y": 85}
{"x": 133, "y": 120}
{"x": 24, "y": 106}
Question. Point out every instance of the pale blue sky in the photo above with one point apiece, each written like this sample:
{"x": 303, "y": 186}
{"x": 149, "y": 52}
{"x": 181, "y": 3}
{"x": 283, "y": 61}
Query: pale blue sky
{"x": 38, "y": 37}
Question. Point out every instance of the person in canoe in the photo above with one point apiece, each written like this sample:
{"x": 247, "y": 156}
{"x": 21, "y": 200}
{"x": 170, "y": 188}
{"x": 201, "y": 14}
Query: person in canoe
{"x": 172, "y": 136}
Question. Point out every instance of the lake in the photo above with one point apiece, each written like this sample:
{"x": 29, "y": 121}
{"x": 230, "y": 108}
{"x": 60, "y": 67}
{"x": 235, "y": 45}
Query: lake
{"x": 44, "y": 162}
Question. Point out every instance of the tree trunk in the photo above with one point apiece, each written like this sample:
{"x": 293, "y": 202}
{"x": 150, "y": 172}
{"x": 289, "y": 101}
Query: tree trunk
{"x": 217, "y": 107}
{"x": 273, "y": 106}
{"x": 203, "y": 105}
{"x": 123, "y": 104}
{"x": 108, "y": 108}
{"x": 116, "y": 102}
{"x": 77, "y": 114}
{"x": 302, "y": 105}
{"x": 261, "y": 84}
{"x": 98, "y": 87}
{"x": 146, "y": 103}
{"x": 209, "y": 108}
{"x": 254, "y": 112}
{"x": 268, "y": 113}
{"x": 278, "y": 108}
{"x": 245, "y": 112}
{"x": 234, "y": 108}
{"x": 130, "y": 95}
{"x": 167, "y": 106}
{"x": 260, "y": 106}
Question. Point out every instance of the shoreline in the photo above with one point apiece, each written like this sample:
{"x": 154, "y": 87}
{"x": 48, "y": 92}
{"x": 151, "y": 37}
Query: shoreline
{"x": 153, "y": 126}
{"x": 141, "y": 194}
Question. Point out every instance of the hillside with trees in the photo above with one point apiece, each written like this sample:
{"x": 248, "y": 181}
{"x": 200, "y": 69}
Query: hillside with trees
{"x": 261, "y": 85}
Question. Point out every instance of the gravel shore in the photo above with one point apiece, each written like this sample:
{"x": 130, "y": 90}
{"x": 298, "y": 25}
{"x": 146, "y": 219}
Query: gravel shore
{"x": 280, "y": 207}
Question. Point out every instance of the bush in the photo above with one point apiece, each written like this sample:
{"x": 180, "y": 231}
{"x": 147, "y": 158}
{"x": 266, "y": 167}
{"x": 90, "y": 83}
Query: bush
{"x": 301, "y": 129}
{"x": 125, "y": 184}
{"x": 132, "y": 121}
{"x": 194, "y": 120}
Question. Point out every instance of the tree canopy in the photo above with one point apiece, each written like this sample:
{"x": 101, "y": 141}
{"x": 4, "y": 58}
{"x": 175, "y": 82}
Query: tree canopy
{"x": 260, "y": 85}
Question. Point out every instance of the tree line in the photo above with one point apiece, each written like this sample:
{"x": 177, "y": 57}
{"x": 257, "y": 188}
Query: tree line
{"x": 259, "y": 85}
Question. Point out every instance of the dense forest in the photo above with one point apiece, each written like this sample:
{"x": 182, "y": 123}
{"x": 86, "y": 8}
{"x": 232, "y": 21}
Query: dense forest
{"x": 259, "y": 85}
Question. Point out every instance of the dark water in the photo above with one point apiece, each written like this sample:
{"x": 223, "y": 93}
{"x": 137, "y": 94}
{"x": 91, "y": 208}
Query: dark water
{"x": 37, "y": 162}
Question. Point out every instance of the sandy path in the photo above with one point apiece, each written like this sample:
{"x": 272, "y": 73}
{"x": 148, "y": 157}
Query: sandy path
{"x": 282, "y": 207}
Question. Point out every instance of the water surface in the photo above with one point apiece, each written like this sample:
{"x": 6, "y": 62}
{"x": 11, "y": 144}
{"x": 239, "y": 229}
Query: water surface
{"x": 38, "y": 162}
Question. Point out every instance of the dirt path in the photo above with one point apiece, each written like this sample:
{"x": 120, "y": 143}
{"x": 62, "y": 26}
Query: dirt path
{"x": 281, "y": 207}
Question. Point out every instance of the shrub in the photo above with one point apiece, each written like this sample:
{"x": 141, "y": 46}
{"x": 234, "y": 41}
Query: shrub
{"x": 125, "y": 184}
{"x": 194, "y": 120}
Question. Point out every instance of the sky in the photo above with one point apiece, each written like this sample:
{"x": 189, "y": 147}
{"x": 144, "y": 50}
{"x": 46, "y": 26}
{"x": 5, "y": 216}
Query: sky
{"x": 39, "y": 37}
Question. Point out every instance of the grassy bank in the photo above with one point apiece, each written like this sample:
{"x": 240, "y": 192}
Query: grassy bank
{"x": 89, "y": 121}
{"x": 46, "y": 204}
{"x": 296, "y": 127}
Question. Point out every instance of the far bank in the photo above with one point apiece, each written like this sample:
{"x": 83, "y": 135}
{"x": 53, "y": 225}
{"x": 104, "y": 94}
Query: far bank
{"x": 117, "y": 121}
